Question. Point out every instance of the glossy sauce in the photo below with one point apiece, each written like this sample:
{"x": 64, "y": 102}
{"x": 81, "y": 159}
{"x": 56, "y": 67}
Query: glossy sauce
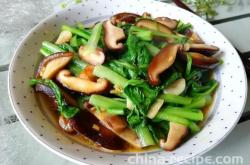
{"x": 48, "y": 108}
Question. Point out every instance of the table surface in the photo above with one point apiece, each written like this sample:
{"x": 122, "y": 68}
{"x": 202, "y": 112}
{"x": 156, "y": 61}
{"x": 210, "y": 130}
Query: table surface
{"x": 17, "y": 17}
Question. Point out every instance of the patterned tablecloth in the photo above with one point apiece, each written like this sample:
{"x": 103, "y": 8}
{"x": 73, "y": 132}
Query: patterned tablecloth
{"x": 17, "y": 17}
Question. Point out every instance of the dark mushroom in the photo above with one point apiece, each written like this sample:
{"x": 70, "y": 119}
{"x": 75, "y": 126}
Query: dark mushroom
{"x": 49, "y": 93}
{"x": 201, "y": 61}
{"x": 87, "y": 125}
{"x": 96, "y": 57}
{"x": 161, "y": 62}
{"x": 153, "y": 25}
{"x": 50, "y": 65}
{"x": 81, "y": 85}
{"x": 43, "y": 89}
{"x": 124, "y": 17}
{"x": 170, "y": 23}
{"x": 118, "y": 125}
{"x": 66, "y": 125}
{"x": 175, "y": 136}
{"x": 146, "y": 15}
{"x": 203, "y": 49}
{"x": 194, "y": 37}
{"x": 112, "y": 36}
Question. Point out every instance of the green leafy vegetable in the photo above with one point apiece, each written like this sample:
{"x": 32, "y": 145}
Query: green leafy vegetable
{"x": 145, "y": 136}
{"x": 187, "y": 113}
{"x": 80, "y": 32}
{"x": 170, "y": 98}
{"x": 124, "y": 68}
{"x": 115, "y": 78}
{"x": 76, "y": 66}
{"x": 66, "y": 110}
{"x": 183, "y": 27}
{"x": 106, "y": 102}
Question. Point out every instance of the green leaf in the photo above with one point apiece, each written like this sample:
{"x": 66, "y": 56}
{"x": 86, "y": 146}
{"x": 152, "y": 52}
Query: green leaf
{"x": 183, "y": 27}
{"x": 69, "y": 112}
{"x": 63, "y": 108}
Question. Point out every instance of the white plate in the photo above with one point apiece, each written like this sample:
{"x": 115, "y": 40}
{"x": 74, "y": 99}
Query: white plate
{"x": 227, "y": 108}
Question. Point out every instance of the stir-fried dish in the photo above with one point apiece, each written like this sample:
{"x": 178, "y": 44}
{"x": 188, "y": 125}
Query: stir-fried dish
{"x": 132, "y": 81}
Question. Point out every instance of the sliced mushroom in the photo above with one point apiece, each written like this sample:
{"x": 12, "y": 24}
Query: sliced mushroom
{"x": 153, "y": 25}
{"x": 161, "y": 62}
{"x": 194, "y": 37}
{"x": 121, "y": 130}
{"x": 175, "y": 136}
{"x": 90, "y": 127}
{"x": 202, "y": 48}
{"x": 170, "y": 23}
{"x": 146, "y": 15}
{"x": 81, "y": 85}
{"x": 124, "y": 17}
{"x": 96, "y": 57}
{"x": 112, "y": 36}
{"x": 66, "y": 125}
{"x": 64, "y": 36}
{"x": 50, "y": 65}
{"x": 117, "y": 123}
{"x": 45, "y": 90}
{"x": 200, "y": 60}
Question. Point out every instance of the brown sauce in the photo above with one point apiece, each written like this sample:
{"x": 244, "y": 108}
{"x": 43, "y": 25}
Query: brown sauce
{"x": 48, "y": 109}
{"x": 85, "y": 116}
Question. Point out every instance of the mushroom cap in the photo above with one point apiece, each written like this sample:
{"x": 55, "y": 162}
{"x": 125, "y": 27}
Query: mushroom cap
{"x": 153, "y": 25}
{"x": 96, "y": 57}
{"x": 161, "y": 62}
{"x": 124, "y": 17}
{"x": 66, "y": 125}
{"x": 170, "y": 23}
{"x": 118, "y": 125}
{"x": 112, "y": 36}
{"x": 104, "y": 138}
{"x": 175, "y": 135}
{"x": 194, "y": 37}
{"x": 81, "y": 85}
{"x": 50, "y": 65}
{"x": 203, "y": 49}
{"x": 201, "y": 61}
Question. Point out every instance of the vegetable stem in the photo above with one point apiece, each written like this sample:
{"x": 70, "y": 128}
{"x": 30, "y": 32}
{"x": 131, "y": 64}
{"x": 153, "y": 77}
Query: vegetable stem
{"x": 94, "y": 38}
{"x": 104, "y": 72}
{"x": 170, "y": 98}
{"x": 76, "y": 66}
{"x": 145, "y": 136}
{"x": 189, "y": 65}
{"x": 187, "y": 113}
{"x": 76, "y": 31}
{"x": 213, "y": 85}
{"x": 106, "y": 102}
{"x": 152, "y": 49}
{"x": 45, "y": 52}
{"x": 116, "y": 111}
{"x": 173, "y": 118}
{"x": 52, "y": 47}
{"x": 198, "y": 102}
